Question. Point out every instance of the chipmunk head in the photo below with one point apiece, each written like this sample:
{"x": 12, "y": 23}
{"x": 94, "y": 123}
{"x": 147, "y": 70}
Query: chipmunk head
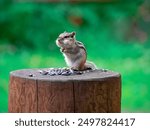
{"x": 66, "y": 40}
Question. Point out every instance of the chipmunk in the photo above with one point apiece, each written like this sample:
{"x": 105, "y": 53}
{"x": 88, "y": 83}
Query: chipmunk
{"x": 74, "y": 52}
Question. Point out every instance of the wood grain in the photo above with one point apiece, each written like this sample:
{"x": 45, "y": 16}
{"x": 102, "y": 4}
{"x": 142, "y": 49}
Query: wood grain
{"x": 55, "y": 97}
{"x": 90, "y": 97}
{"x": 114, "y": 95}
{"x": 22, "y": 95}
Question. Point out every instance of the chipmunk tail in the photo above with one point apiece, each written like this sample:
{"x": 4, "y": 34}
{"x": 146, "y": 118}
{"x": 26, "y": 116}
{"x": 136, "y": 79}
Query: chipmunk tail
{"x": 90, "y": 65}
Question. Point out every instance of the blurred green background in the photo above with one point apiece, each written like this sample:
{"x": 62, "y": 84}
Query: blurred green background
{"x": 115, "y": 33}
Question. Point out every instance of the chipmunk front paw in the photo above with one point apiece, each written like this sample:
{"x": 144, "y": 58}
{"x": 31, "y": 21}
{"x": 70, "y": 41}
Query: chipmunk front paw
{"x": 63, "y": 50}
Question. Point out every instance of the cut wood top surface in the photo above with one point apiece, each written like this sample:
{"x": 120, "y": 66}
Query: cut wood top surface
{"x": 88, "y": 76}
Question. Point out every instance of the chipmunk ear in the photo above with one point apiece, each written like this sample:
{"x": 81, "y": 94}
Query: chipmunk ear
{"x": 73, "y": 33}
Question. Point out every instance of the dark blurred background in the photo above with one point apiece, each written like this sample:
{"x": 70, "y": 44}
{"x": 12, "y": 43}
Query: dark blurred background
{"x": 115, "y": 33}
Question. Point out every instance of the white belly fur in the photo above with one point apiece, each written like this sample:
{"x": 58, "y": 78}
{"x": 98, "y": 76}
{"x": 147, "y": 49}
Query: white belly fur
{"x": 69, "y": 61}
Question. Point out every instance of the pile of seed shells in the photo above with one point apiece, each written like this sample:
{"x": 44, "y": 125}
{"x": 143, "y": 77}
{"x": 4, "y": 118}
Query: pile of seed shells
{"x": 62, "y": 71}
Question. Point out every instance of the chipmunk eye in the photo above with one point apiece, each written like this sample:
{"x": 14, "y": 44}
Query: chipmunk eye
{"x": 71, "y": 36}
{"x": 65, "y": 36}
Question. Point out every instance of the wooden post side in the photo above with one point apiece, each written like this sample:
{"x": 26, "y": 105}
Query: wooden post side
{"x": 55, "y": 97}
{"x": 114, "y": 95}
{"x": 22, "y": 95}
{"x": 90, "y": 96}
{"x": 96, "y": 91}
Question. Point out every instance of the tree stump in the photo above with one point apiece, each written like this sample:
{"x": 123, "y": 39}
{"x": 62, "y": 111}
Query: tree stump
{"x": 96, "y": 91}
